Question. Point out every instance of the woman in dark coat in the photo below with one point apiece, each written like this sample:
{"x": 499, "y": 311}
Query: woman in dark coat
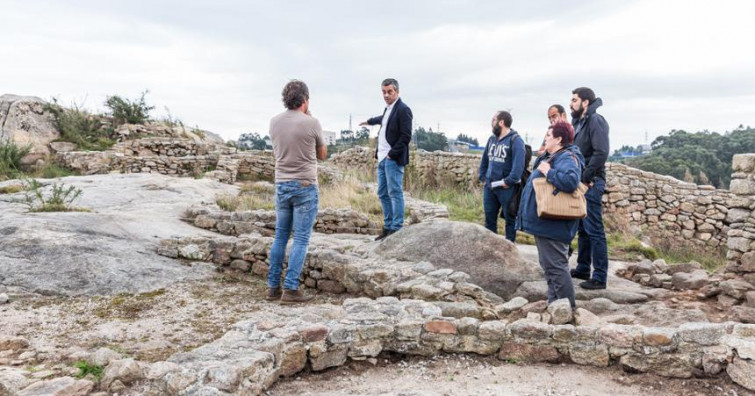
{"x": 561, "y": 164}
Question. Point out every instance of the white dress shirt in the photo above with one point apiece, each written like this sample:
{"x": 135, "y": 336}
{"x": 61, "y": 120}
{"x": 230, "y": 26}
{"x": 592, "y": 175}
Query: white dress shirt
{"x": 383, "y": 146}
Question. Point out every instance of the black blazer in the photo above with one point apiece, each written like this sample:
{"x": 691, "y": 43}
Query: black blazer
{"x": 398, "y": 131}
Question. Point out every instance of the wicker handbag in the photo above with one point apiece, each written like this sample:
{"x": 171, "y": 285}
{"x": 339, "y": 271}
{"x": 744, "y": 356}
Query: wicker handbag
{"x": 558, "y": 205}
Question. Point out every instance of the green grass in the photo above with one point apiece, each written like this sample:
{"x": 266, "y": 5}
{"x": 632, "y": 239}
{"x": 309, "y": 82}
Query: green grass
{"x": 711, "y": 261}
{"x": 626, "y": 247}
{"x": 622, "y": 246}
{"x": 85, "y": 369}
{"x": 11, "y": 189}
{"x": 50, "y": 171}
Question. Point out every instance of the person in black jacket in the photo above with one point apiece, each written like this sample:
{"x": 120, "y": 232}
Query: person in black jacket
{"x": 392, "y": 156}
{"x": 501, "y": 169}
{"x": 591, "y": 136}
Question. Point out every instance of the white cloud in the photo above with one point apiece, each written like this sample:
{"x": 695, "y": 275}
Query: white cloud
{"x": 657, "y": 64}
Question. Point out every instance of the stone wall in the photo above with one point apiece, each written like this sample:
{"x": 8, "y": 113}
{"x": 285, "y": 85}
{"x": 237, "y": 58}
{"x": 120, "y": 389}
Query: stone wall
{"x": 100, "y": 162}
{"x": 430, "y": 167}
{"x": 664, "y": 209}
{"x": 667, "y": 210}
{"x": 168, "y": 147}
{"x": 339, "y": 272}
{"x": 438, "y": 311}
{"x": 271, "y": 345}
{"x": 328, "y": 221}
{"x": 181, "y": 157}
{"x": 741, "y": 242}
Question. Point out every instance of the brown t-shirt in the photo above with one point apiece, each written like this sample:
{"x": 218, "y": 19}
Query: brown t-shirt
{"x": 295, "y": 137}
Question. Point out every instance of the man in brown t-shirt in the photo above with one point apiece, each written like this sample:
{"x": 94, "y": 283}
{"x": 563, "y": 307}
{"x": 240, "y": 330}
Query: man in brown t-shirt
{"x": 297, "y": 145}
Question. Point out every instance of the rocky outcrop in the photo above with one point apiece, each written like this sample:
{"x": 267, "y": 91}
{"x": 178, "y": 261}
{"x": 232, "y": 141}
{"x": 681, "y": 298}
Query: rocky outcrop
{"x": 23, "y": 120}
{"x": 491, "y": 261}
{"x": 109, "y": 249}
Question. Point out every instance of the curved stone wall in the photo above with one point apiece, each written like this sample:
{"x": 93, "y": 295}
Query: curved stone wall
{"x": 438, "y": 311}
{"x": 661, "y": 207}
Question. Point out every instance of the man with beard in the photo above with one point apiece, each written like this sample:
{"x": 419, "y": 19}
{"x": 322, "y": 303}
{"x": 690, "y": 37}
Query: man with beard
{"x": 591, "y": 136}
{"x": 501, "y": 168}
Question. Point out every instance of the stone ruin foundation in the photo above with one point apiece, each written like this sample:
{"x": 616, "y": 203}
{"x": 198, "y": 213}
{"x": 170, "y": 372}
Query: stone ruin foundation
{"x": 415, "y": 308}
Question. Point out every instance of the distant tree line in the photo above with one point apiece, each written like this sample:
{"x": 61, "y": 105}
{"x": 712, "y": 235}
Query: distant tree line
{"x": 467, "y": 139}
{"x": 251, "y": 141}
{"x": 701, "y": 157}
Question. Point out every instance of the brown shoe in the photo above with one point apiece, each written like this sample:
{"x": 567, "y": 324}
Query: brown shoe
{"x": 273, "y": 293}
{"x": 294, "y": 296}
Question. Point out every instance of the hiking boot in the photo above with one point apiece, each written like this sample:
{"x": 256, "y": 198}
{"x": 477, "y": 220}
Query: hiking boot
{"x": 592, "y": 284}
{"x": 273, "y": 293}
{"x": 575, "y": 274}
{"x": 383, "y": 234}
{"x": 294, "y": 296}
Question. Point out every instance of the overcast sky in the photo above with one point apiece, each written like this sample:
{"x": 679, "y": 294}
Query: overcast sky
{"x": 221, "y": 65}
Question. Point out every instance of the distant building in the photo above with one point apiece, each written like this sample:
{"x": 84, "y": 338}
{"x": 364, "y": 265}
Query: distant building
{"x": 329, "y": 137}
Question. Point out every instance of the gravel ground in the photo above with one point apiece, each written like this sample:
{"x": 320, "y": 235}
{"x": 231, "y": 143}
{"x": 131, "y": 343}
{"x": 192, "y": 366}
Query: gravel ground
{"x": 468, "y": 375}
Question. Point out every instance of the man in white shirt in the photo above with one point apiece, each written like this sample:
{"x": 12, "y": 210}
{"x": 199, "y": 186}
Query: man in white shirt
{"x": 392, "y": 155}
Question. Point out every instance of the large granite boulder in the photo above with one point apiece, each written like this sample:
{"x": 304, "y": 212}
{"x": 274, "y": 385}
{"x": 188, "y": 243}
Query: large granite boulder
{"x": 492, "y": 262}
{"x": 24, "y": 121}
{"x": 112, "y": 248}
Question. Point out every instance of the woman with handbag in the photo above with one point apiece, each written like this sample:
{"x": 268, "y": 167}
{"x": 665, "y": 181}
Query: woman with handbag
{"x": 561, "y": 166}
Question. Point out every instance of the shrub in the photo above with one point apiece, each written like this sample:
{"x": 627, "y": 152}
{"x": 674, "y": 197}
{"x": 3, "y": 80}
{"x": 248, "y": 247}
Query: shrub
{"x": 85, "y": 369}
{"x": 59, "y": 200}
{"x": 127, "y": 111}
{"x": 10, "y": 159}
{"x": 79, "y": 127}
{"x": 51, "y": 171}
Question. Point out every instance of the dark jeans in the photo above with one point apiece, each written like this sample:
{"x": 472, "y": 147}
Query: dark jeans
{"x": 495, "y": 200}
{"x": 390, "y": 178}
{"x": 295, "y": 208}
{"x": 554, "y": 261}
{"x": 593, "y": 249}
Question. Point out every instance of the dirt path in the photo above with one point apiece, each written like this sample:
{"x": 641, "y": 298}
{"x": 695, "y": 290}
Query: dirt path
{"x": 468, "y": 375}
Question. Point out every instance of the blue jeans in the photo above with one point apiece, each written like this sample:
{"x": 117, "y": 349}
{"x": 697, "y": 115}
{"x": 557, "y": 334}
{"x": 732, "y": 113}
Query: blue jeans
{"x": 295, "y": 206}
{"x": 493, "y": 202}
{"x": 390, "y": 177}
{"x": 593, "y": 249}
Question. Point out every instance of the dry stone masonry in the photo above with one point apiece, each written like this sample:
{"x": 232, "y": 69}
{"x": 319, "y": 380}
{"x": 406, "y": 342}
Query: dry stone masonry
{"x": 342, "y": 269}
{"x": 667, "y": 209}
{"x": 741, "y": 216}
{"x": 663, "y": 208}
{"x": 328, "y": 221}
{"x": 431, "y": 167}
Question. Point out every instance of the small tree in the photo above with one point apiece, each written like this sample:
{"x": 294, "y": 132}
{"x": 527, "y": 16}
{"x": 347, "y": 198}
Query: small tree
{"x": 127, "y": 111}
